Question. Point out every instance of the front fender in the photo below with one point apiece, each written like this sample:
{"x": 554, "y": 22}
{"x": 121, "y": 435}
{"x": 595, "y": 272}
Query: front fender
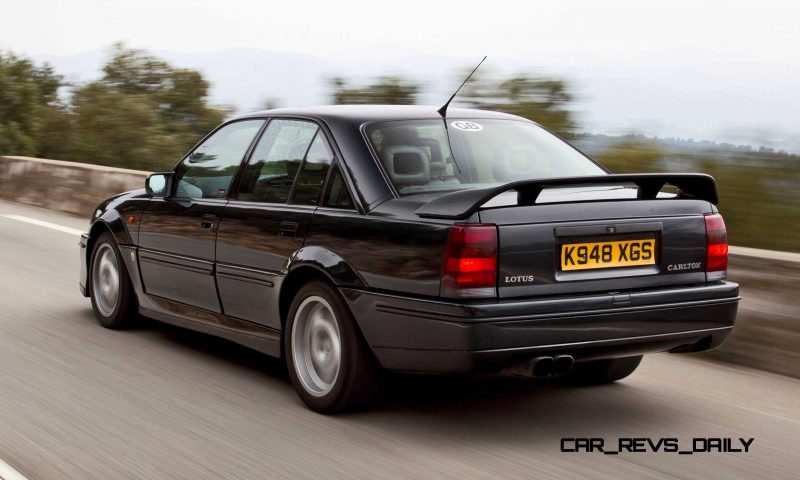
{"x": 337, "y": 268}
{"x": 103, "y": 220}
{"x": 120, "y": 215}
{"x": 112, "y": 221}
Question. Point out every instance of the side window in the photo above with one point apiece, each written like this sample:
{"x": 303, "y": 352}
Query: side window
{"x": 276, "y": 160}
{"x": 308, "y": 185}
{"x": 337, "y": 195}
{"x": 207, "y": 172}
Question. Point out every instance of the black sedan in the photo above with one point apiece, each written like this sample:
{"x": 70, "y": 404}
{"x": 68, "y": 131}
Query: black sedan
{"x": 350, "y": 240}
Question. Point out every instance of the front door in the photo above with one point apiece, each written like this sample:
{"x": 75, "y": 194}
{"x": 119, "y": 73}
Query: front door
{"x": 266, "y": 221}
{"x": 177, "y": 233}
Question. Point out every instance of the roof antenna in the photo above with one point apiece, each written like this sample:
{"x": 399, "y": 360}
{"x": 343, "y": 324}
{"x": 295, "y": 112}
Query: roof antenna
{"x": 443, "y": 111}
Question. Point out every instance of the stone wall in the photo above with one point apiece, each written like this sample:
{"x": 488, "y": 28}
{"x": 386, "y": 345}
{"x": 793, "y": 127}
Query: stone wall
{"x": 75, "y": 188}
{"x": 767, "y": 331}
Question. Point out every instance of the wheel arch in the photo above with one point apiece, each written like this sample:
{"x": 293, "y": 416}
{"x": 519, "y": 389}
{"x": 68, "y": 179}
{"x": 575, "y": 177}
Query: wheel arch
{"x": 100, "y": 226}
{"x": 315, "y": 263}
{"x": 293, "y": 282}
{"x": 111, "y": 221}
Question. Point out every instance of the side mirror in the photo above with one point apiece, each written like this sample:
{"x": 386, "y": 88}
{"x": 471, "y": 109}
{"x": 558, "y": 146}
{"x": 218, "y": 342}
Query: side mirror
{"x": 158, "y": 184}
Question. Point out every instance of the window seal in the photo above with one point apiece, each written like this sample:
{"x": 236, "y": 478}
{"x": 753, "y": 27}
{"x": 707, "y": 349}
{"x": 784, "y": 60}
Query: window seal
{"x": 300, "y": 169}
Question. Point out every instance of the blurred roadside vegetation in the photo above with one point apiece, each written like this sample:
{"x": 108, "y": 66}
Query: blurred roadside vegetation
{"x": 142, "y": 113}
{"x": 145, "y": 114}
{"x": 27, "y": 94}
{"x": 385, "y": 90}
{"x": 546, "y": 100}
{"x": 758, "y": 188}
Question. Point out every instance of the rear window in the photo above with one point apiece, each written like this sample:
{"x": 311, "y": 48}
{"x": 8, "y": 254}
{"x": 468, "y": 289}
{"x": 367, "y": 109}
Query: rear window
{"x": 417, "y": 156}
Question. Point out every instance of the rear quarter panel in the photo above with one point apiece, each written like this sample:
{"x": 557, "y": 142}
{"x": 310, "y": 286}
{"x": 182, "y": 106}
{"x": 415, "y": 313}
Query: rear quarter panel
{"x": 390, "y": 250}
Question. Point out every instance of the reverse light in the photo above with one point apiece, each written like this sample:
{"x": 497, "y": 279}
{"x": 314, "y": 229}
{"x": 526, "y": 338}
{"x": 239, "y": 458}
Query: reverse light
{"x": 716, "y": 247}
{"x": 469, "y": 268}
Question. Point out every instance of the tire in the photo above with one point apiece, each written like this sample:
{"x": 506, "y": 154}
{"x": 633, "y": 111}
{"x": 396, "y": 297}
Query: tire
{"x": 113, "y": 298}
{"x": 330, "y": 365}
{"x": 598, "y": 372}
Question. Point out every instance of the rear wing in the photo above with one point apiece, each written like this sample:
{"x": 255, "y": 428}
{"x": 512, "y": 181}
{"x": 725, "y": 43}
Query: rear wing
{"x": 463, "y": 203}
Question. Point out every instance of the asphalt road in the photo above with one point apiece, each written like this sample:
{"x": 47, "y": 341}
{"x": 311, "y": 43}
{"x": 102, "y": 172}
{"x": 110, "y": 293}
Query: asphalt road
{"x": 78, "y": 401}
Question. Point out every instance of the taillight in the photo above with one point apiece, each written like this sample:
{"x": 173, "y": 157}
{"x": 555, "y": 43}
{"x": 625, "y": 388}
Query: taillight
{"x": 470, "y": 262}
{"x": 716, "y": 247}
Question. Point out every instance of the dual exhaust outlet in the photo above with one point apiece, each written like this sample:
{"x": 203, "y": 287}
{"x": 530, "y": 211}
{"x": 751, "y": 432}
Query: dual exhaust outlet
{"x": 544, "y": 367}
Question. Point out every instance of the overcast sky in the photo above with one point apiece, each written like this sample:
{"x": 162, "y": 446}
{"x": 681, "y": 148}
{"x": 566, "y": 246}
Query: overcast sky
{"x": 727, "y": 69}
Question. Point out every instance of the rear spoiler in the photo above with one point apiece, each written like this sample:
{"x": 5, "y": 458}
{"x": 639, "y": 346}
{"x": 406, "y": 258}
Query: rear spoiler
{"x": 463, "y": 203}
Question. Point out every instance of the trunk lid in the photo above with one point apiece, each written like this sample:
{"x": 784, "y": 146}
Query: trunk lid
{"x": 596, "y": 239}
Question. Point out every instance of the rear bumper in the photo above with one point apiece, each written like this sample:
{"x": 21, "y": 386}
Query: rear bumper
{"x": 410, "y": 334}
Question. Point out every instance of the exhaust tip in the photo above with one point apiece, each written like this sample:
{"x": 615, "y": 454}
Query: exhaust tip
{"x": 562, "y": 364}
{"x": 543, "y": 366}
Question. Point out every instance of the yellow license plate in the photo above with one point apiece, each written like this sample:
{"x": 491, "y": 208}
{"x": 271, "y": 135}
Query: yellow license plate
{"x": 623, "y": 253}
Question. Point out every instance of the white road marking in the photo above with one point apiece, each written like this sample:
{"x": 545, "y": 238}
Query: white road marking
{"x": 41, "y": 223}
{"x": 7, "y": 472}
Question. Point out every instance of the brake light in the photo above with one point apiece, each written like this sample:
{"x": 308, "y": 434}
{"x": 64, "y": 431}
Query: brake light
{"x": 716, "y": 246}
{"x": 470, "y": 262}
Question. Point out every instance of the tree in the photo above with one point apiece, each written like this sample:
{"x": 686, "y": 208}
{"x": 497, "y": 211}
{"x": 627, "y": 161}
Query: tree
{"x": 388, "y": 90}
{"x": 110, "y": 127}
{"x": 180, "y": 95}
{"x": 544, "y": 100}
{"x": 26, "y": 94}
{"x": 632, "y": 156}
{"x": 135, "y": 72}
{"x": 142, "y": 114}
{"x": 270, "y": 103}
{"x": 56, "y": 131}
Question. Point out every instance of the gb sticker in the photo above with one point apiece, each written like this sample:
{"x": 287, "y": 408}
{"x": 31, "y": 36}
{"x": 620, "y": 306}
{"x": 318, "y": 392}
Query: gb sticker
{"x": 467, "y": 126}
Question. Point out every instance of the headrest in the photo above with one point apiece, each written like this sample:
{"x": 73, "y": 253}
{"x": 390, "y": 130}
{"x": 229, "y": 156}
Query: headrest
{"x": 437, "y": 162}
{"x": 406, "y": 165}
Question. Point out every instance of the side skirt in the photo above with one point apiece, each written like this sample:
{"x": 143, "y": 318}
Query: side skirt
{"x": 257, "y": 337}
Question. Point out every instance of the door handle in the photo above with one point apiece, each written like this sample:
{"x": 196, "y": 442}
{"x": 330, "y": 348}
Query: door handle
{"x": 208, "y": 221}
{"x": 287, "y": 230}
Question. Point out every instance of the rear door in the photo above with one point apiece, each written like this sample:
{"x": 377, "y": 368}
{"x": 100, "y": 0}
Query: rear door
{"x": 267, "y": 220}
{"x": 177, "y": 233}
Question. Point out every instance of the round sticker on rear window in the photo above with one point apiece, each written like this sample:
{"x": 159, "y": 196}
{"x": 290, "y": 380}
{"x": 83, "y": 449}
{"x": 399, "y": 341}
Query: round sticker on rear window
{"x": 467, "y": 126}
